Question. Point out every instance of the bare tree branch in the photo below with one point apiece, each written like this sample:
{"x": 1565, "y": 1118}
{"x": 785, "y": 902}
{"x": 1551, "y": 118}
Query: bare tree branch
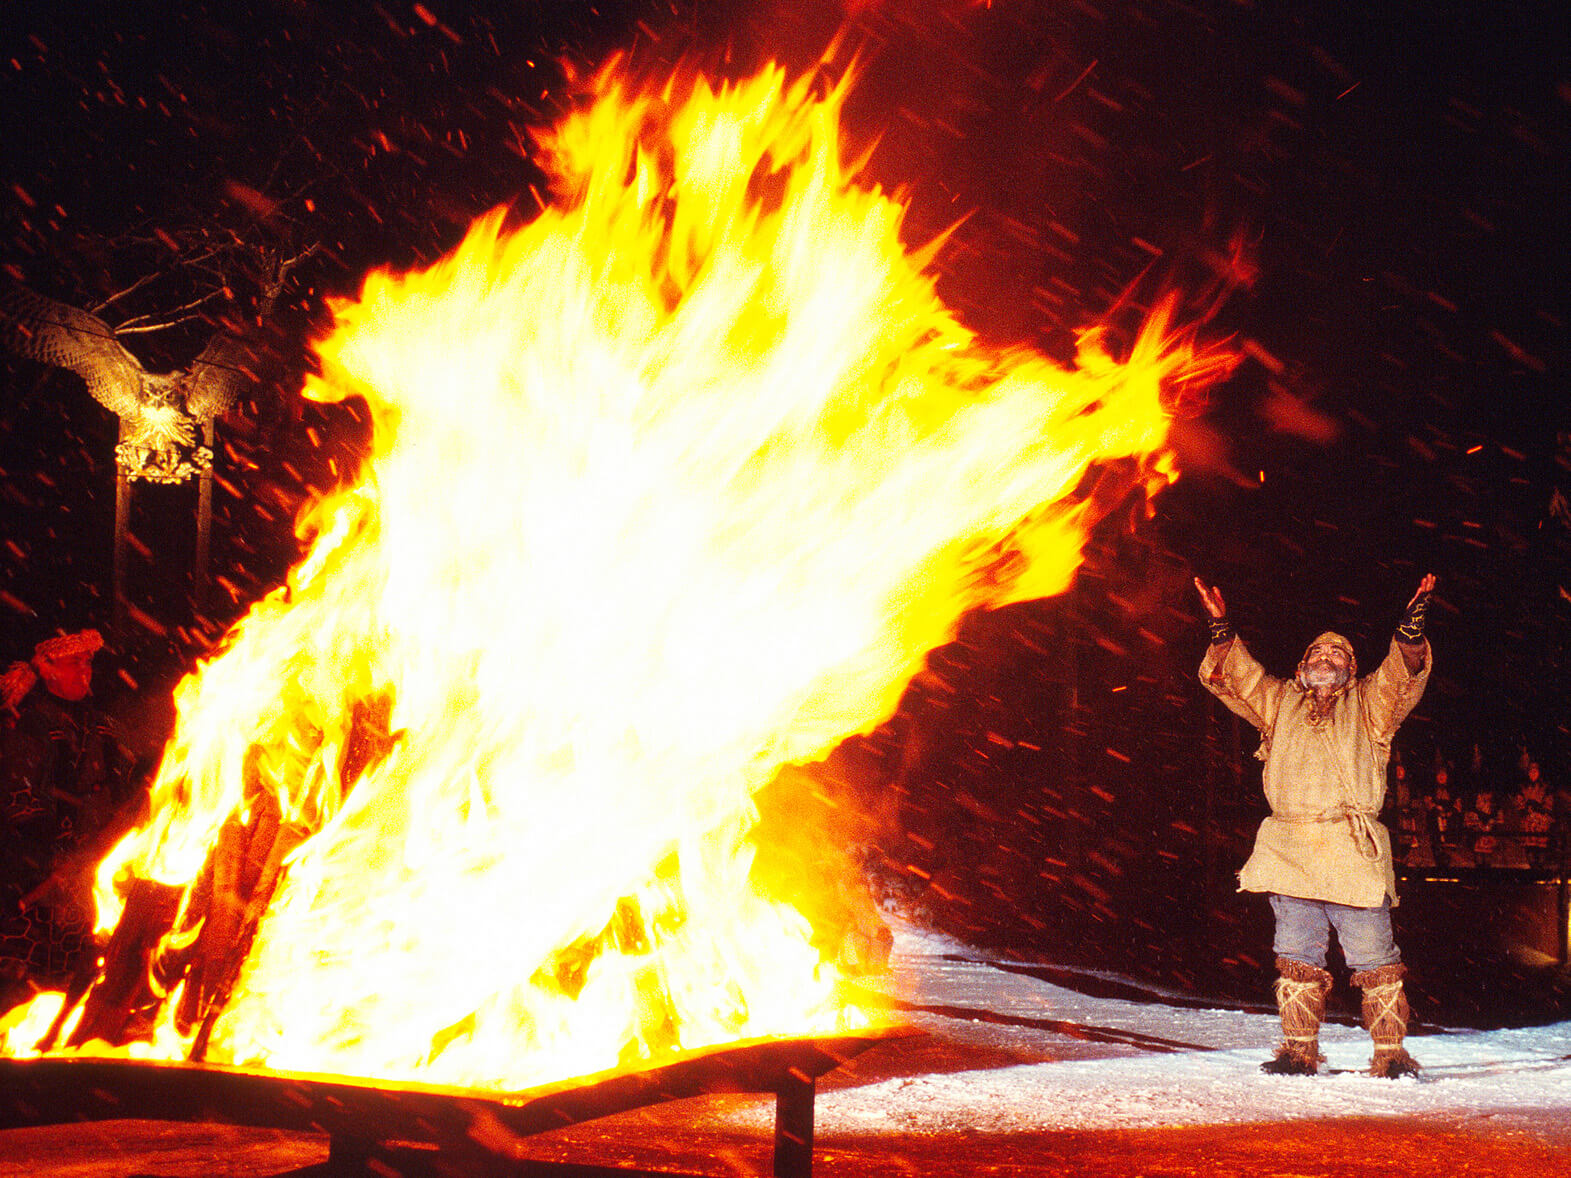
{"x": 98, "y": 308}
{"x": 142, "y": 322}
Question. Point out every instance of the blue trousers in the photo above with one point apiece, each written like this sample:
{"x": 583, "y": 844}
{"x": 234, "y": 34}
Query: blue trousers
{"x": 1303, "y": 932}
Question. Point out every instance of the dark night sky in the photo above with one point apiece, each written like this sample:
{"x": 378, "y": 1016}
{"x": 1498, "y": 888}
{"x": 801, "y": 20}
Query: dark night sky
{"x": 1394, "y": 174}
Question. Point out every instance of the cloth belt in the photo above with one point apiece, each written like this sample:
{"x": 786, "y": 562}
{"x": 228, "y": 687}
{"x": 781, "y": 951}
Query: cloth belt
{"x": 1360, "y": 820}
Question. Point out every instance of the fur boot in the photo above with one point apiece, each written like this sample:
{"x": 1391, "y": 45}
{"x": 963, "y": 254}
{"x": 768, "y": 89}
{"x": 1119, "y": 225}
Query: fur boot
{"x": 1301, "y": 1000}
{"x": 1385, "y": 1018}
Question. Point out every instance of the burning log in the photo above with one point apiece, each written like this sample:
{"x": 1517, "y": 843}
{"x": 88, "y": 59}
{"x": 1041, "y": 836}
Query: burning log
{"x": 148, "y": 957}
{"x": 124, "y": 1004}
{"x": 370, "y": 739}
{"x": 201, "y": 934}
{"x": 247, "y": 867}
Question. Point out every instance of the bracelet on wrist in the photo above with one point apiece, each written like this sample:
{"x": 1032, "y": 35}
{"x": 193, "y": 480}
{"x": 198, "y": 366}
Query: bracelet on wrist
{"x": 1411, "y": 628}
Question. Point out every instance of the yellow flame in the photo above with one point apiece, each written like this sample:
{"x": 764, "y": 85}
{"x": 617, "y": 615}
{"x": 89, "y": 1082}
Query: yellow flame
{"x": 672, "y": 486}
{"x": 23, "y": 1026}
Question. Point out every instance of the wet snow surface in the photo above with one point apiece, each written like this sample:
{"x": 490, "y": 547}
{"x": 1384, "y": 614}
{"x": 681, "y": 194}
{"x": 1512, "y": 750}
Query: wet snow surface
{"x": 1112, "y": 1063}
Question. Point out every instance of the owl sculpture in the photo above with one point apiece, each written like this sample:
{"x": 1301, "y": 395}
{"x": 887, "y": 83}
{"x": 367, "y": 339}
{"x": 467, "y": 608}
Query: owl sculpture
{"x": 159, "y": 412}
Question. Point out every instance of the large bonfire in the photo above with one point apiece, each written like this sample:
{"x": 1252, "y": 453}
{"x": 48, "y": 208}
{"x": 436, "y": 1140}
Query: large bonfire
{"x": 670, "y": 487}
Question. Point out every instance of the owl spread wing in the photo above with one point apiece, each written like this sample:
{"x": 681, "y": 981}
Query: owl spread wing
{"x": 39, "y": 328}
{"x": 226, "y": 367}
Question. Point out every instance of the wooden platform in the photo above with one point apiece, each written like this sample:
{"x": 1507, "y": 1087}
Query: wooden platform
{"x": 412, "y": 1129}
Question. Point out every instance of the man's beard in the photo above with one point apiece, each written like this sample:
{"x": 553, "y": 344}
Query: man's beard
{"x": 1319, "y": 675}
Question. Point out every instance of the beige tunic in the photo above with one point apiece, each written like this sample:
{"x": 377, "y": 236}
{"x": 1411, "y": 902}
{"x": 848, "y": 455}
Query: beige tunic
{"x": 1325, "y": 778}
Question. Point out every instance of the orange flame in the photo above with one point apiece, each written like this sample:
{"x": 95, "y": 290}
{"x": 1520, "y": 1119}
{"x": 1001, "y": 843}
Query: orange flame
{"x": 670, "y": 487}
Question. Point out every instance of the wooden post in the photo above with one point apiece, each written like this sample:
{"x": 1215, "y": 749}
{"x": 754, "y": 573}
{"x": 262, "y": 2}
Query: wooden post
{"x": 1564, "y": 916}
{"x": 204, "y": 521}
{"x": 122, "y": 530}
{"x": 794, "y": 1126}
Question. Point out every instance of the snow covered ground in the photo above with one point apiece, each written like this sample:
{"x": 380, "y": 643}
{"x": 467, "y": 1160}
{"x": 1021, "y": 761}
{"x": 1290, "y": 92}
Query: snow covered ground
{"x": 1114, "y": 1063}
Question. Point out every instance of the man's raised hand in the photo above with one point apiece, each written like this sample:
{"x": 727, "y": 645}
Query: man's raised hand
{"x": 1425, "y": 588}
{"x": 1211, "y": 598}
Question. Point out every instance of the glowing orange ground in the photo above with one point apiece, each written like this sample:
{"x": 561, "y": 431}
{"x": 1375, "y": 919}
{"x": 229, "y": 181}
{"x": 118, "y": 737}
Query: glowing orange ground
{"x": 1361, "y": 1148}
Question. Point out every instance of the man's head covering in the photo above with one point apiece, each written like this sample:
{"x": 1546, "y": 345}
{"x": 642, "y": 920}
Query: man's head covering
{"x": 65, "y": 645}
{"x": 1331, "y": 638}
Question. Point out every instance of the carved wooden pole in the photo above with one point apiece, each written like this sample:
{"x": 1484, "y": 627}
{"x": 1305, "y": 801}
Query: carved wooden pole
{"x": 158, "y": 412}
{"x": 122, "y": 531}
{"x": 204, "y": 519}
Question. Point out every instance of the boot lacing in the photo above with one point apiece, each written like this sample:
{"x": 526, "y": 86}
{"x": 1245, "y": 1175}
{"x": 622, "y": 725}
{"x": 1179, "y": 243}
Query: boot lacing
{"x": 1301, "y": 1005}
{"x": 1385, "y": 1014}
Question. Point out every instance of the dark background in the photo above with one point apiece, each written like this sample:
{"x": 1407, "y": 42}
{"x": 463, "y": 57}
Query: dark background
{"x": 1368, "y": 199}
